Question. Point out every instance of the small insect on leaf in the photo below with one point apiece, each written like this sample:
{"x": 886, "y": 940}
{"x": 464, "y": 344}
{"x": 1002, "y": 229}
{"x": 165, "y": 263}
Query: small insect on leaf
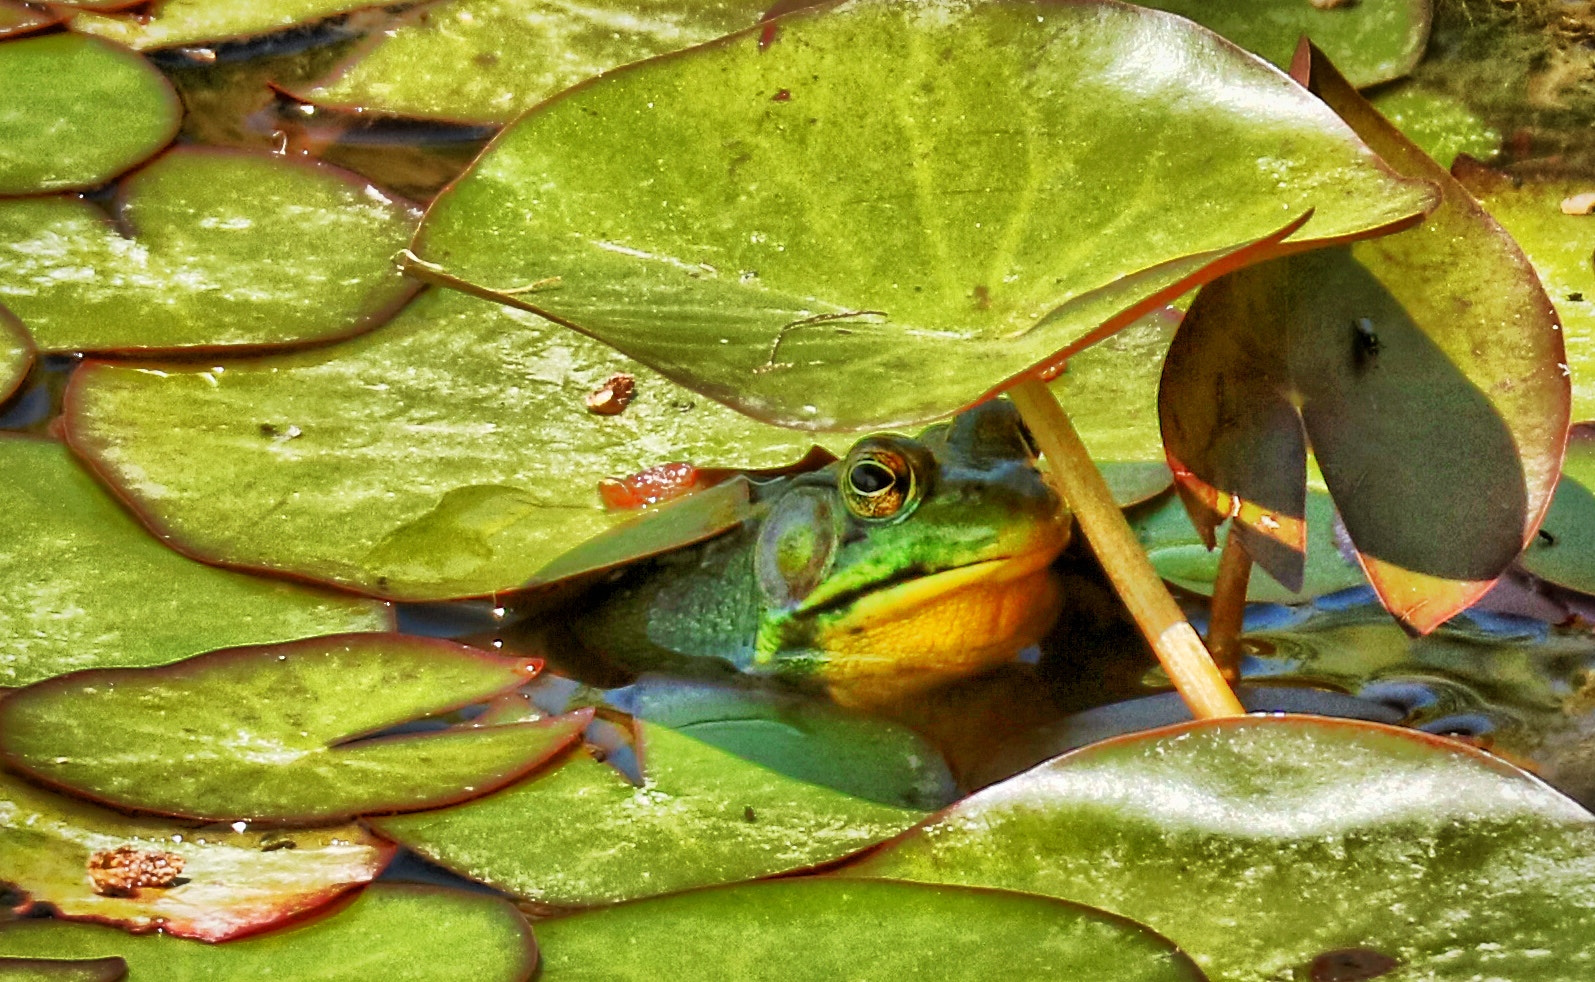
{"x": 123, "y": 871}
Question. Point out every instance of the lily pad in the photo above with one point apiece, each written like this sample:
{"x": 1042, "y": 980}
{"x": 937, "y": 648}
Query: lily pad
{"x": 1181, "y": 555}
{"x": 581, "y": 834}
{"x": 695, "y": 210}
{"x": 225, "y": 883}
{"x": 19, "y": 18}
{"x": 78, "y": 112}
{"x": 1443, "y": 127}
{"x": 1564, "y": 550}
{"x": 273, "y": 732}
{"x": 1111, "y": 390}
{"x": 798, "y": 930}
{"x": 1559, "y": 246}
{"x": 169, "y": 23}
{"x": 85, "y": 587}
{"x": 206, "y": 249}
{"x": 1425, "y": 369}
{"x": 1260, "y": 845}
{"x": 449, "y": 454}
{"x": 520, "y": 52}
{"x": 16, "y": 354}
{"x": 390, "y": 932}
{"x": 62, "y": 970}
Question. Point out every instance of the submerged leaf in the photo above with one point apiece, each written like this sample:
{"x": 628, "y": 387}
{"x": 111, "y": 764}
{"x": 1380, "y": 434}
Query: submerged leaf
{"x": 265, "y": 733}
{"x": 700, "y": 213}
{"x": 801, "y": 930}
{"x": 448, "y": 454}
{"x": 1443, "y": 127}
{"x": 85, "y": 587}
{"x": 206, "y": 250}
{"x": 390, "y": 932}
{"x": 1259, "y": 845}
{"x": 580, "y": 834}
{"x": 79, "y": 112}
{"x": 230, "y": 882}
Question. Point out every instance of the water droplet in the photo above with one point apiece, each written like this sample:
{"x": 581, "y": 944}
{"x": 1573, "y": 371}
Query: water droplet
{"x": 240, "y": 826}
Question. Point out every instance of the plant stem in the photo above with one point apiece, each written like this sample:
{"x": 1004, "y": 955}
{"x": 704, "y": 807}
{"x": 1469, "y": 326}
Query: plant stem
{"x": 1229, "y": 604}
{"x": 1077, "y": 480}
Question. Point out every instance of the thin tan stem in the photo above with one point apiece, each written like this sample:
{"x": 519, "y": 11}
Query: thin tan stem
{"x": 1073, "y": 473}
{"x": 1229, "y": 605}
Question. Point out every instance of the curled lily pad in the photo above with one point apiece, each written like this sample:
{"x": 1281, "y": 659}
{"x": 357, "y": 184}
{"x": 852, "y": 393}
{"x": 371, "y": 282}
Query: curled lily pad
{"x": 207, "y": 249}
{"x": 16, "y": 354}
{"x": 19, "y": 18}
{"x": 390, "y": 932}
{"x": 1261, "y": 845}
{"x": 62, "y": 970}
{"x": 694, "y": 211}
{"x": 91, "y": 863}
{"x": 273, "y": 732}
{"x": 1425, "y": 369}
{"x": 168, "y": 23}
{"x": 79, "y": 111}
{"x": 87, "y": 588}
{"x": 520, "y": 52}
{"x": 449, "y": 454}
{"x": 807, "y": 929}
{"x": 580, "y": 833}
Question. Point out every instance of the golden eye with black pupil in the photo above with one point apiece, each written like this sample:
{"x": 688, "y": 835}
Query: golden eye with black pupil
{"x": 878, "y": 483}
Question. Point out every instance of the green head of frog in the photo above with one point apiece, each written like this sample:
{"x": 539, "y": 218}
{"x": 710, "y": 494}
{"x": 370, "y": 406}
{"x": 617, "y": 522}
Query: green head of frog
{"x": 907, "y": 563}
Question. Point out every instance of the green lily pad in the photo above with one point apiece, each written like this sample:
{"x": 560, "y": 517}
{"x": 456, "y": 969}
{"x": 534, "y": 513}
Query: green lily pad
{"x": 207, "y": 249}
{"x": 228, "y": 883}
{"x": 1261, "y": 845}
{"x": 1442, "y": 126}
{"x": 519, "y": 52}
{"x": 78, "y": 112}
{"x": 62, "y": 970}
{"x": 1372, "y": 41}
{"x": 265, "y": 733}
{"x": 169, "y": 23}
{"x": 85, "y": 587}
{"x": 798, "y": 930}
{"x": 1564, "y": 550}
{"x": 16, "y": 354}
{"x": 1111, "y": 390}
{"x": 1559, "y": 246}
{"x": 581, "y": 834}
{"x": 695, "y": 210}
{"x": 1180, "y": 554}
{"x": 449, "y": 454}
{"x": 390, "y": 932}
{"x": 1426, "y": 370}
{"x": 19, "y": 18}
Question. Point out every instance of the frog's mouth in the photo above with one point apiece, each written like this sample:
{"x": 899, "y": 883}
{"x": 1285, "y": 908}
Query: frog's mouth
{"x": 914, "y": 588}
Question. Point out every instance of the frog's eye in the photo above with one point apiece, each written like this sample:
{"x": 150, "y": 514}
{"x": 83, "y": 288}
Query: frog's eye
{"x": 878, "y": 482}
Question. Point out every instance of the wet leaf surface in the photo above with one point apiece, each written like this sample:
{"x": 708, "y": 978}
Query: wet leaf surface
{"x": 168, "y": 23}
{"x": 56, "y": 970}
{"x": 1564, "y": 550}
{"x": 1443, "y": 127}
{"x": 85, "y": 587}
{"x": 819, "y": 929}
{"x": 230, "y": 883}
{"x": 79, "y": 111}
{"x": 274, "y": 732}
{"x": 206, "y": 249}
{"x": 520, "y": 52}
{"x": 732, "y": 270}
{"x": 1382, "y": 355}
{"x": 448, "y": 454}
{"x": 1258, "y": 845}
{"x": 390, "y": 932}
{"x": 581, "y": 834}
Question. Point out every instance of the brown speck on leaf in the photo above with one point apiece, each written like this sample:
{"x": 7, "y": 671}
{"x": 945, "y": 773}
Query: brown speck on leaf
{"x": 123, "y": 871}
{"x": 1331, "y": 4}
{"x": 1351, "y": 965}
{"x": 612, "y": 398}
{"x": 748, "y": 814}
{"x": 982, "y": 296}
{"x": 784, "y": 95}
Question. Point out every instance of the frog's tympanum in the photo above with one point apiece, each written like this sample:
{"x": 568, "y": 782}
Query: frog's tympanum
{"x": 906, "y": 564}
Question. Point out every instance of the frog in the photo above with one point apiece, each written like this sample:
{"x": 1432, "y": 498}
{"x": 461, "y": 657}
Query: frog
{"x": 904, "y": 565}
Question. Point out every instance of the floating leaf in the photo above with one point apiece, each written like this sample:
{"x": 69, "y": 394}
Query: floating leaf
{"x": 207, "y": 249}
{"x": 1111, "y": 390}
{"x": 85, "y": 587}
{"x": 231, "y": 882}
{"x": 449, "y": 454}
{"x": 581, "y": 834}
{"x": 16, "y": 354}
{"x": 1181, "y": 555}
{"x": 678, "y": 204}
{"x": 19, "y": 18}
{"x": 1440, "y": 125}
{"x": 79, "y": 112}
{"x": 265, "y": 733}
{"x": 1564, "y": 550}
{"x": 390, "y": 932}
{"x": 520, "y": 52}
{"x": 1425, "y": 370}
{"x": 1259, "y": 845}
{"x": 62, "y": 970}
{"x": 797, "y": 930}
{"x": 168, "y": 23}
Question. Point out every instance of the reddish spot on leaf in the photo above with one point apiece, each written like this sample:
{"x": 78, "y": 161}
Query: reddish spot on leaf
{"x": 662, "y": 482}
{"x": 1351, "y": 965}
{"x": 612, "y": 398}
{"x": 123, "y": 871}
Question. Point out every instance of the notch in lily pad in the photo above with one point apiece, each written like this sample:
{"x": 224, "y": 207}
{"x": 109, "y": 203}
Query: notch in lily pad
{"x": 274, "y": 733}
{"x": 697, "y": 212}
